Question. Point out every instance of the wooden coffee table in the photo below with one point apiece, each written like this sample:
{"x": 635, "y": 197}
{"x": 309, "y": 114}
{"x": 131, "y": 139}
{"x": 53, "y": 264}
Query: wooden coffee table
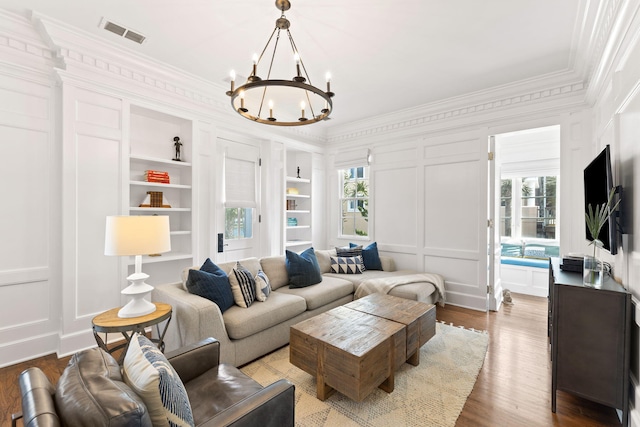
{"x": 418, "y": 317}
{"x": 356, "y": 348}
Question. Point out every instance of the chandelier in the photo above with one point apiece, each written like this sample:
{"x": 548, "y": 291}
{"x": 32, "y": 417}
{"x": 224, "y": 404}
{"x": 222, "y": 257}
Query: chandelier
{"x": 292, "y": 102}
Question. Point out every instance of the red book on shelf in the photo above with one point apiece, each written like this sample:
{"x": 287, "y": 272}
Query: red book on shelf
{"x": 151, "y": 171}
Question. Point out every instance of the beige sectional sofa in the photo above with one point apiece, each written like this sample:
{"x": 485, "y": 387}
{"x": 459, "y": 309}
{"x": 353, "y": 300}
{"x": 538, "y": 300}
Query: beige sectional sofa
{"x": 245, "y": 334}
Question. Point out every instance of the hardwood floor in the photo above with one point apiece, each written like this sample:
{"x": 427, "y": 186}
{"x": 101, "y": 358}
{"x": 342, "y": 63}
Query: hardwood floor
{"x": 514, "y": 385}
{"x": 513, "y": 388}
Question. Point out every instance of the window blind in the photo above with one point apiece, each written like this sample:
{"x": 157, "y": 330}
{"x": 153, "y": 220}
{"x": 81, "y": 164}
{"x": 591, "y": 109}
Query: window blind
{"x": 239, "y": 183}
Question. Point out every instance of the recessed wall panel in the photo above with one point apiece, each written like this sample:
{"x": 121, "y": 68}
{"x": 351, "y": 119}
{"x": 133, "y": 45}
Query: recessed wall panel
{"x": 98, "y": 195}
{"x": 451, "y": 206}
{"x": 16, "y": 298}
{"x": 396, "y": 206}
{"x": 25, "y": 198}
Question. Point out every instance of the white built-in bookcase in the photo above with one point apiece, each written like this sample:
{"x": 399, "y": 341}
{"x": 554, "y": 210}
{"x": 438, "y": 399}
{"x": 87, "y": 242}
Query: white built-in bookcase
{"x": 298, "y": 193}
{"x": 151, "y": 147}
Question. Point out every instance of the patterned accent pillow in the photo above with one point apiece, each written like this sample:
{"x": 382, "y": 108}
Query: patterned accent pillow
{"x": 243, "y": 286}
{"x": 263, "y": 286}
{"x": 152, "y": 377}
{"x": 351, "y": 251}
{"x": 370, "y": 256}
{"x": 211, "y": 282}
{"x": 346, "y": 265}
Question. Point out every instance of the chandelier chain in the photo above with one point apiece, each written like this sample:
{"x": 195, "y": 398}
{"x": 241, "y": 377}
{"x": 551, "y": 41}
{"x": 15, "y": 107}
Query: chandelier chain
{"x": 273, "y": 55}
{"x": 304, "y": 70}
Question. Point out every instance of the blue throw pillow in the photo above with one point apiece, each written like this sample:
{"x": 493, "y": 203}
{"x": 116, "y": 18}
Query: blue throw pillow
{"x": 212, "y": 283}
{"x": 370, "y": 256}
{"x": 303, "y": 269}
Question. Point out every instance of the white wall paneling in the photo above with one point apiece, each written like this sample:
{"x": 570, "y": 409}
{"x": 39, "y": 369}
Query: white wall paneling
{"x": 92, "y": 189}
{"x": 27, "y": 278}
{"x": 455, "y": 215}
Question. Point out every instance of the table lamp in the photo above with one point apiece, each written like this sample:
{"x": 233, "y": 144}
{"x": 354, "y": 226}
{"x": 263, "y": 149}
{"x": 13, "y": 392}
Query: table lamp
{"x": 137, "y": 235}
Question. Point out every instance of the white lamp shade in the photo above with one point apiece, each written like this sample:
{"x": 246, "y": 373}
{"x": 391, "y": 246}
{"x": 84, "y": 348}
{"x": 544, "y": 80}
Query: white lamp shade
{"x": 137, "y": 235}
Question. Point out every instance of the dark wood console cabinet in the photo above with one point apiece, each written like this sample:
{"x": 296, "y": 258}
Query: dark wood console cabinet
{"x": 590, "y": 338}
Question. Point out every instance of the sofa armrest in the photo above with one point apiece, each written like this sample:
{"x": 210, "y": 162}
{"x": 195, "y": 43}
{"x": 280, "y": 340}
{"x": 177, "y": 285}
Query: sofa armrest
{"x": 193, "y": 360}
{"x": 194, "y": 318}
{"x": 38, "y": 406}
{"x": 273, "y": 406}
{"x": 388, "y": 264}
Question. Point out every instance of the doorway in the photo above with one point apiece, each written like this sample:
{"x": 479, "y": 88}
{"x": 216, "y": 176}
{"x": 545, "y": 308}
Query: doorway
{"x": 527, "y": 179}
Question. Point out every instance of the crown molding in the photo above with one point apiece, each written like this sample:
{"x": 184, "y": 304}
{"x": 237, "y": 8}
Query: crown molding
{"x": 612, "y": 25}
{"x": 22, "y": 44}
{"x": 474, "y": 107}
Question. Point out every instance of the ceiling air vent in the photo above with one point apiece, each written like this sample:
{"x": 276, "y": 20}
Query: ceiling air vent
{"x": 122, "y": 31}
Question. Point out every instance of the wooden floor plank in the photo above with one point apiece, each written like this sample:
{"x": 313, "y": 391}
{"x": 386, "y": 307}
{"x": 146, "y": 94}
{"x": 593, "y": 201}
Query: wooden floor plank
{"x": 513, "y": 388}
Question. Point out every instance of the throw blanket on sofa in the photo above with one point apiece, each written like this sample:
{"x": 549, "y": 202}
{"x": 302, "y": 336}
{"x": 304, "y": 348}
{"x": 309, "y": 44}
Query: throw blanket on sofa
{"x": 384, "y": 285}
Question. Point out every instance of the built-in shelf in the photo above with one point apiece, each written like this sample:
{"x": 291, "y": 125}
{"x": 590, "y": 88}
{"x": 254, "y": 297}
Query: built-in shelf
{"x": 160, "y": 161}
{"x": 170, "y": 256}
{"x": 291, "y": 243}
{"x": 298, "y": 196}
{"x": 298, "y": 212}
{"x": 137, "y": 209}
{"x": 300, "y": 180}
{"x": 158, "y": 184}
{"x": 293, "y": 227}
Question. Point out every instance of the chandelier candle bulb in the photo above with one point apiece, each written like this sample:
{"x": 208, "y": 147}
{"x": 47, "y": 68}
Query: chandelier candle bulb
{"x": 255, "y": 64}
{"x": 232, "y": 76}
{"x": 271, "y": 118}
{"x": 244, "y": 110}
{"x": 302, "y": 117}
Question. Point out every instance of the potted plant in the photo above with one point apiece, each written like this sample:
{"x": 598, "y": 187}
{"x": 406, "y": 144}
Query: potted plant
{"x": 596, "y": 219}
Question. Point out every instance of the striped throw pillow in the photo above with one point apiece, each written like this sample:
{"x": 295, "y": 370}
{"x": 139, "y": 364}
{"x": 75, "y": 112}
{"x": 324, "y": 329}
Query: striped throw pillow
{"x": 152, "y": 377}
{"x": 243, "y": 286}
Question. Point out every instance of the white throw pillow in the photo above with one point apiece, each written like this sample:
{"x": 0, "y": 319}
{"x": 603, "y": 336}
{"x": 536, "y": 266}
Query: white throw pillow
{"x": 263, "y": 287}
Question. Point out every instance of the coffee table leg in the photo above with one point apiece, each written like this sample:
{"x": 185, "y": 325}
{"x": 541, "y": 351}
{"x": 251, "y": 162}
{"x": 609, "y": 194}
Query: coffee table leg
{"x": 389, "y": 384}
{"x": 323, "y": 391}
{"x": 414, "y": 359}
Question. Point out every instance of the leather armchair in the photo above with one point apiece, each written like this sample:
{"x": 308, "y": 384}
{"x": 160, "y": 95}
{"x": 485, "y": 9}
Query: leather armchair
{"x": 219, "y": 394}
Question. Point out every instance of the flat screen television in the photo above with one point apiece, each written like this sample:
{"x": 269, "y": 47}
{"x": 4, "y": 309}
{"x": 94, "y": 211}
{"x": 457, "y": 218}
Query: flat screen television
{"x": 598, "y": 182}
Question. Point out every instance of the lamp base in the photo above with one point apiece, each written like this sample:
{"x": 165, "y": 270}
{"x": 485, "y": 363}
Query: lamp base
{"x": 137, "y": 290}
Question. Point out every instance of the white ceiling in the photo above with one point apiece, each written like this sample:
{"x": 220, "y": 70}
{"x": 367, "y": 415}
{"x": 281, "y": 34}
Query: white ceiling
{"x": 384, "y": 56}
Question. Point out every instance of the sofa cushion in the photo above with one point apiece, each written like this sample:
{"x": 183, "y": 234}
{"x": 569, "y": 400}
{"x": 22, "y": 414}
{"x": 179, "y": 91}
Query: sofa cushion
{"x": 370, "y": 256}
{"x": 263, "y": 287}
{"x": 329, "y": 290}
{"x": 243, "y": 286}
{"x": 91, "y": 392}
{"x": 279, "y": 307}
{"x": 149, "y": 374}
{"x": 324, "y": 259}
{"x": 275, "y": 269}
{"x": 346, "y": 265}
{"x": 212, "y": 283}
{"x": 303, "y": 268}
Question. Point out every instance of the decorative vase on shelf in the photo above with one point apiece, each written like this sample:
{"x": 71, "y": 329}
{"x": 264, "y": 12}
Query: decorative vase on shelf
{"x": 592, "y": 271}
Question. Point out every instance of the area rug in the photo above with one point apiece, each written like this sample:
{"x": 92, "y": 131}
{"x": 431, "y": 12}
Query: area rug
{"x": 430, "y": 394}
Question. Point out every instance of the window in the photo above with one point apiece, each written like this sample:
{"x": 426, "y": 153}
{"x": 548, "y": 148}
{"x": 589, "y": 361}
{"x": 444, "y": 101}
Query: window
{"x": 238, "y": 223}
{"x": 354, "y": 201}
{"x": 532, "y": 214}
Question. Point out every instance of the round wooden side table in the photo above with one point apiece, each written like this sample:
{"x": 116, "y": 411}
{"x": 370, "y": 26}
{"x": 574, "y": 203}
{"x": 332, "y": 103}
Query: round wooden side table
{"x": 109, "y": 322}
